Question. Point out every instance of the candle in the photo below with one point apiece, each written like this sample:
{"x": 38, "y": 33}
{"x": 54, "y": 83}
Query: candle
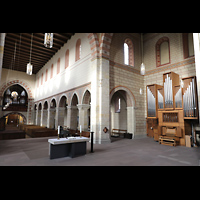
{"x": 91, "y": 128}
{"x": 58, "y": 130}
{"x": 80, "y": 129}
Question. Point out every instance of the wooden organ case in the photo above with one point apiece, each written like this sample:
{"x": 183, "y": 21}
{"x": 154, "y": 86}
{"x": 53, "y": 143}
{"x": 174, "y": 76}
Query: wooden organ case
{"x": 171, "y": 109}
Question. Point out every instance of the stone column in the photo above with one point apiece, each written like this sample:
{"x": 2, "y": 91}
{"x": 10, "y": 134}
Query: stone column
{"x": 48, "y": 117}
{"x": 29, "y": 111}
{"x": 44, "y": 117}
{"x": 68, "y": 115}
{"x": 56, "y": 118}
{"x": 72, "y": 117}
{"x": 131, "y": 120}
{"x": 104, "y": 101}
{"x": 2, "y": 40}
{"x": 196, "y": 40}
{"x": 61, "y": 116}
{"x": 83, "y": 116}
{"x": 36, "y": 119}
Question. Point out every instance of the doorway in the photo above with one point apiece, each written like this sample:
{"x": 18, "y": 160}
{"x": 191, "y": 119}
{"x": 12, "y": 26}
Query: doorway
{"x": 122, "y": 114}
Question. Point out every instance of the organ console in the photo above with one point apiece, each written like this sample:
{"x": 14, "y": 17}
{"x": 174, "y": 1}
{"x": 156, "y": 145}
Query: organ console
{"x": 171, "y": 109}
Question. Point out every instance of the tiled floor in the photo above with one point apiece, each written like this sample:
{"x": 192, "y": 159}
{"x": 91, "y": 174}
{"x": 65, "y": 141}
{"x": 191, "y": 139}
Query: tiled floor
{"x": 142, "y": 152}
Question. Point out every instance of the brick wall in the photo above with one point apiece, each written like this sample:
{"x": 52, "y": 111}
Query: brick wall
{"x": 128, "y": 76}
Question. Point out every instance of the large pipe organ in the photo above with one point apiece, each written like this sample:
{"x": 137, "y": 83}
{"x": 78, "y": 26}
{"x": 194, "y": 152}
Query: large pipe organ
{"x": 172, "y": 109}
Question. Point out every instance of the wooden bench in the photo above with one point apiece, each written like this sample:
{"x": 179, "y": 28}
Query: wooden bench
{"x": 117, "y": 132}
{"x": 77, "y": 133}
{"x": 167, "y": 141}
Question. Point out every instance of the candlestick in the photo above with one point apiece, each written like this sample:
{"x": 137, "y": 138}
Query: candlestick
{"x": 80, "y": 131}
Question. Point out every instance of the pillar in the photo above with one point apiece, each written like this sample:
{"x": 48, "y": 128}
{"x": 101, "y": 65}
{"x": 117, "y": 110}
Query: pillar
{"x": 104, "y": 100}
{"x": 83, "y": 116}
{"x": 196, "y": 40}
{"x": 48, "y": 117}
{"x": 72, "y": 117}
{"x": 30, "y": 112}
{"x": 2, "y": 41}
{"x": 56, "y": 118}
{"x": 130, "y": 120}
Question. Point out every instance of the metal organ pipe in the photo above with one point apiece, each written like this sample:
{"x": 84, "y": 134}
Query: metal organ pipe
{"x": 189, "y": 100}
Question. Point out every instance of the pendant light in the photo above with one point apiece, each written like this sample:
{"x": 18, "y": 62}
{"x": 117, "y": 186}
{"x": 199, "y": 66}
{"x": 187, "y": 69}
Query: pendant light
{"x": 29, "y": 67}
{"x": 142, "y": 67}
{"x": 48, "y": 40}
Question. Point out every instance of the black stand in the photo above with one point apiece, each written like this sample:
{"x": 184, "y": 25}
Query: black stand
{"x": 92, "y": 142}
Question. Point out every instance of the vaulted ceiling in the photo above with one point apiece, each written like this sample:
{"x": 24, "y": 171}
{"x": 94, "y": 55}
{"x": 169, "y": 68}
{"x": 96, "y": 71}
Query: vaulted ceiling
{"x": 17, "y": 50}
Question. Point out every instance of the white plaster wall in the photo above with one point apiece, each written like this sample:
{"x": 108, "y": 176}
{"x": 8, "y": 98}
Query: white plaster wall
{"x": 76, "y": 74}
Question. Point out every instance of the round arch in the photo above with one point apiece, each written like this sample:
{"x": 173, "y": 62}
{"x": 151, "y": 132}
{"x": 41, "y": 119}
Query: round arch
{"x": 72, "y": 100}
{"x": 131, "y": 101}
{"x": 18, "y": 113}
{"x": 14, "y": 82}
{"x": 124, "y": 119}
{"x": 86, "y": 98}
{"x": 61, "y": 97}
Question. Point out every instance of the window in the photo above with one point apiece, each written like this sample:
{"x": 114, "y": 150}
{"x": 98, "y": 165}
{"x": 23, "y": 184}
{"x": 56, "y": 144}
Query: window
{"x": 67, "y": 58}
{"x": 58, "y": 66}
{"x": 162, "y": 51}
{"x": 78, "y": 50}
{"x": 52, "y": 71}
{"x": 46, "y": 75}
{"x": 117, "y": 105}
{"x": 188, "y": 46}
{"x": 128, "y": 52}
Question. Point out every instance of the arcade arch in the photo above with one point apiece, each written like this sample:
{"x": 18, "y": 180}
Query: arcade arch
{"x": 122, "y": 113}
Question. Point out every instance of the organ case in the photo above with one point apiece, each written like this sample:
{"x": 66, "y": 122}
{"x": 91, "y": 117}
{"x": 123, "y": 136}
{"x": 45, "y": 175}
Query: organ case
{"x": 152, "y": 111}
{"x": 175, "y": 108}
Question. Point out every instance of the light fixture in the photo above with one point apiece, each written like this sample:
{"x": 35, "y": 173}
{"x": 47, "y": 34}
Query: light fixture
{"x": 140, "y": 91}
{"x": 29, "y": 67}
{"x": 48, "y": 40}
{"x": 142, "y": 67}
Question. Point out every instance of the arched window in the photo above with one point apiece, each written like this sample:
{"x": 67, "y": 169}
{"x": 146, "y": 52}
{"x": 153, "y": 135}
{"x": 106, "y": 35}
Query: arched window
{"x": 58, "y": 66}
{"x": 52, "y": 71}
{"x": 188, "y": 46}
{"x": 162, "y": 51}
{"x": 117, "y": 105}
{"x": 128, "y": 52}
{"x": 78, "y": 50}
{"x": 46, "y": 75}
{"x": 67, "y": 58}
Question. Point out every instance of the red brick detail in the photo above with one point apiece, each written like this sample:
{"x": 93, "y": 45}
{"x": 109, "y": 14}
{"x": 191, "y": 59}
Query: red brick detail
{"x": 24, "y": 85}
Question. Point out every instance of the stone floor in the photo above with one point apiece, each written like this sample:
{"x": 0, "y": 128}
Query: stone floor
{"x": 122, "y": 152}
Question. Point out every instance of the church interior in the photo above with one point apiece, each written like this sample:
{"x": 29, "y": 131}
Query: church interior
{"x": 109, "y": 88}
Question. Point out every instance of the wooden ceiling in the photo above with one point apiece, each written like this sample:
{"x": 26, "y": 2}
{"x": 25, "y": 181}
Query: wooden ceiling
{"x": 17, "y": 50}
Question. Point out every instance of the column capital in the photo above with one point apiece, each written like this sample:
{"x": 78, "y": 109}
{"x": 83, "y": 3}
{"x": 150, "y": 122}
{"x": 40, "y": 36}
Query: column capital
{"x": 83, "y": 106}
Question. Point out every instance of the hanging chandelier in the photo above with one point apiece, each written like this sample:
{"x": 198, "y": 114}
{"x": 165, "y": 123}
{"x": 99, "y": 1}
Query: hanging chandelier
{"x": 48, "y": 40}
{"x": 142, "y": 67}
{"x": 29, "y": 67}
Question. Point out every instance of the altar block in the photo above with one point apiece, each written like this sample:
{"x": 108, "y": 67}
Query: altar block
{"x": 72, "y": 147}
